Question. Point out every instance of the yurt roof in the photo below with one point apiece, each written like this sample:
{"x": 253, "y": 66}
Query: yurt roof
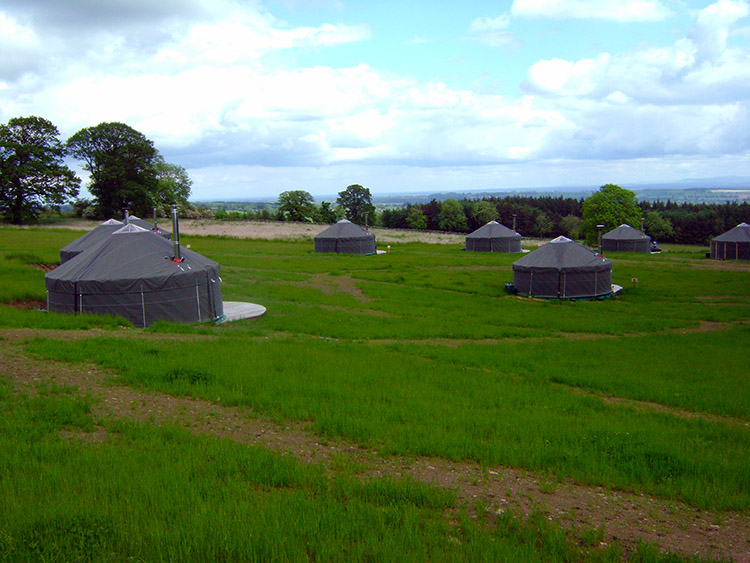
{"x": 133, "y": 220}
{"x": 97, "y": 234}
{"x": 493, "y": 229}
{"x": 563, "y": 254}
{"x": 344, "y": 229}
{"x": 131, "y": 253}
{"x": 740, "y": 233}
{"x": 624, "y": 232}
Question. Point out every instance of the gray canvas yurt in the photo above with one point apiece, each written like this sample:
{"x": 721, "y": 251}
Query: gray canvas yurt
{"x": 494, "y": 237}
{"x": 625, "y": 239}
{"x": 133, "y": 274}
{"x": 563, "y": 269}
{"x": 345, "y": 237}
{"x": 732, "y": 245}
{"x": 93, "y": 237}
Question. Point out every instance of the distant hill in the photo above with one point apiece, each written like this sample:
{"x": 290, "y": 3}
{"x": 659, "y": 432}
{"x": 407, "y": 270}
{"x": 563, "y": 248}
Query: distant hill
{"x": 673, "y": 193}
{"x": 720, "y": 189}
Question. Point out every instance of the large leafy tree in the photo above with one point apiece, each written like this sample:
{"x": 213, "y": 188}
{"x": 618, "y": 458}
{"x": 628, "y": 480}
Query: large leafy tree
{"x": 327, "y": 213}
{"x": 357, "y": 203}
{"x": 415, "y": 218}
{"x": 483, "y": 212}
{"x": 296, "y": 205}
{"x": 173, "y": 185}
{"x": 123, "y": 165}
{"x": 611, "y": 206}
{"x": 658, "y": 227}
{"x": 452, "y": 217}
{"x": 32, "y": 171}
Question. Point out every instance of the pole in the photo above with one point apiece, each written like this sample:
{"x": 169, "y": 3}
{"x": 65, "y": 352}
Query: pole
{"x": 175, "y": 236}
{"x": 600, "y": 227}
{"x": 514, "y": 222}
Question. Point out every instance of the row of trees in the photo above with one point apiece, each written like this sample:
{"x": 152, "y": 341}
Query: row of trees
{"x": 354, "y": 203}
{"x": 125, "y": 170}
{"x": 544, "y": 216}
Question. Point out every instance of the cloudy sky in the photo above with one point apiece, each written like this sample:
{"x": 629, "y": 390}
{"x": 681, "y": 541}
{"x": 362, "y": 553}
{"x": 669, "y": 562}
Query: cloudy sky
{"x": 254, "y": 97}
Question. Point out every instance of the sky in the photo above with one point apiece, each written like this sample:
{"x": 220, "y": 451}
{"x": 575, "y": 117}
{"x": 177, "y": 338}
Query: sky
{"x": 256, "y": 97}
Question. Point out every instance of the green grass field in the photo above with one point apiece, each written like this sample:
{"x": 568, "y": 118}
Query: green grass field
{"x": 415, "y": 353}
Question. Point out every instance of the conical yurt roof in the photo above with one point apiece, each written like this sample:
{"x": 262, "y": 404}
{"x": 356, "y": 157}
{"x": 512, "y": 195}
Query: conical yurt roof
{"x": 740, "y": 233}
{"x": 565, "y": 255}
{"x": 624, "y": 232}
{"x": 493, "y": 229}
{"x": 133, "y": 220}
{"x": 129, "y": 255}
{"x": 344, "y": 229}
{"x": 93, "y": 237}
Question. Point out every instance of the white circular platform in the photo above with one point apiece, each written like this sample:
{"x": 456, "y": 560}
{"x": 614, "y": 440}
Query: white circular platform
{"x": 236, "y": 310}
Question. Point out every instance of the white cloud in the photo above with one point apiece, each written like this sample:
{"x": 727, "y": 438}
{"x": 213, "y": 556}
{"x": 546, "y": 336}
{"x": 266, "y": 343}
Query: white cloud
{"x": 689, "y": 98}
{"x": 490, "y": 24}
{"x": 711, "y": 30}
{"x": 677, "y": 73}
{"x": 492, "y": 32}
{"x": 616, "y": 10}
{"x": 224, "y": 95}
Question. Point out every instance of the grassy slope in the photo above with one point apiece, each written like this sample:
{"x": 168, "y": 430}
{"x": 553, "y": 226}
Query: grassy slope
{"x": 430, "y": 357}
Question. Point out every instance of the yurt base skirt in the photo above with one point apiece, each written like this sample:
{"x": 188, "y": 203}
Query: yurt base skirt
{"x": 564, "y": 285}
{"x": 192, "y": 304}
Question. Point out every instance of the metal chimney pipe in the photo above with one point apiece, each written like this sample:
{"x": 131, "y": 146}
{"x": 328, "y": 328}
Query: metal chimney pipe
{"x": 175, "y": 236}
{"x": 127, "y": 216}
{"x": 600, "y": 227}
{"x": 514, "y": 222}
{"x": 155, "y": 227}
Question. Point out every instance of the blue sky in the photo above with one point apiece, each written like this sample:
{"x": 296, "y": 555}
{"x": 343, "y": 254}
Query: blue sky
{"x": 254, "y": 98}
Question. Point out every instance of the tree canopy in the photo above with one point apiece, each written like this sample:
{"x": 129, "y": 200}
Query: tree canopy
{"x": 357, "y": 203}
{"x": 452, "y": 217}
{"x": 296, "y": 205}
{"x": 611, "y": 206}
{"x": 173, "y": 184}
{"x": 415, "y": 218}
{"x": 327, "y": 213}
{"x": 32, "y": 172}
{"x": 126, "y": 170}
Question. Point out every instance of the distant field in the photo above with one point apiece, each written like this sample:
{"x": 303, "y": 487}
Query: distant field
{"x": 279, "y": 230}
{"x": 417, "y": 356}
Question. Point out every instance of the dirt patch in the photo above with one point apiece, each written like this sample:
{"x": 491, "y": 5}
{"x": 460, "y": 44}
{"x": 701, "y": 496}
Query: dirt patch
{"x": 332, "y": 285}
{"x": 28, "y": 304}
{"x": 623, "y": 516}
{"x": 44, "y": 267}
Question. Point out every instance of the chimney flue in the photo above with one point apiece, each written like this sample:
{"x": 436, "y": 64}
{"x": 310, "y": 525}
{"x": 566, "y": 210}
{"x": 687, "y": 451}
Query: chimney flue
{"x": 175, "y": 236}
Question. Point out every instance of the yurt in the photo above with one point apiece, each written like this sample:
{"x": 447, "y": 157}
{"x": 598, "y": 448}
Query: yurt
{"x": 732, "y": 245}
{"x": 139, "y": 276}
{"x": 93, "y": 237}
{"x": 625, "y": 239}
{"x": 494, "y": 237}
{"x": 345, "y": 237}
{"x": 563, "y": 269}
